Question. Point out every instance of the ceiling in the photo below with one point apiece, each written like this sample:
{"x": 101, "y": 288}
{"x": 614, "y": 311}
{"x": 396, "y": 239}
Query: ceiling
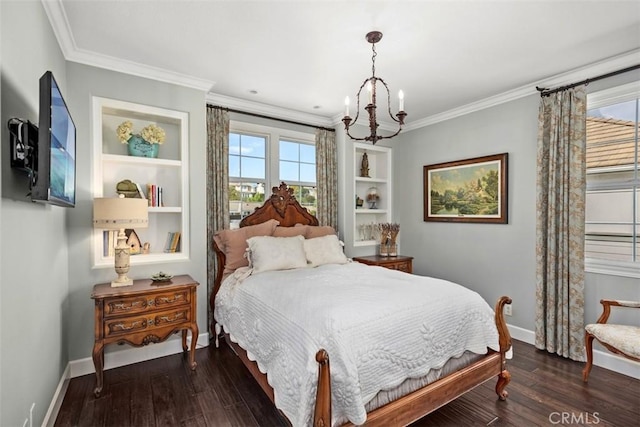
{"x": 306, "y": 55}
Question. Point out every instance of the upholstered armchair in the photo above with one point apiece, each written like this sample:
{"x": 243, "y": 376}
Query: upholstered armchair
{"x": 620, "y": 339}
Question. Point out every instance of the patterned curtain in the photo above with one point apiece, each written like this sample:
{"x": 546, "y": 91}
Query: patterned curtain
{"x": 217, "y": 188}
{"x": 327, "y": 177}
{"x": 561, "y": 188}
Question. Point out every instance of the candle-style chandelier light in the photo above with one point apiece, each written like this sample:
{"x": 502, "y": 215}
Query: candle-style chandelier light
{"x": 374, "y": 37}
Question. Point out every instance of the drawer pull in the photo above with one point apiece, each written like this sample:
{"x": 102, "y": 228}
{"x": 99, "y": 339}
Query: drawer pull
{"x": 124, "y": 327}
{"x": 168, "y": 319}
{"x": 169, "y": 300}
{"x": 151, "y": 303}
{"x": 126, "y": 306}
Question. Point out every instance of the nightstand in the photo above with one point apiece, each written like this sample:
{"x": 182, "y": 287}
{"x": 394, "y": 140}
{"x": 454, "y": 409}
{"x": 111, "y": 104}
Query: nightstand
{"x": 146, "y": 312}
{"x": 400, "y": 262}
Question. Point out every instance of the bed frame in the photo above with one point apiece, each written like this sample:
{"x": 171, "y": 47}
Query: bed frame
{"x": 283, "y": 207}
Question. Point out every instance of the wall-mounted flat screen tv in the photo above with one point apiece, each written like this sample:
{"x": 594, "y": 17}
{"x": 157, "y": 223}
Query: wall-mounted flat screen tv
{"x": 55, "y": 181}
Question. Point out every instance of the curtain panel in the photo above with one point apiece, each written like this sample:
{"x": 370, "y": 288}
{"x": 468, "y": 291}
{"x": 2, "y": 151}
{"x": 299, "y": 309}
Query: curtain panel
{"x": 561, "y": 191}
{"x": 327, "y": 177}
{"x": 217, "y": 189}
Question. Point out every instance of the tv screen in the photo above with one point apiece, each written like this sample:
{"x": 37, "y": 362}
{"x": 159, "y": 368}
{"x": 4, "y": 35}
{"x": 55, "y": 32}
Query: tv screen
{"x": 55, "y": 180}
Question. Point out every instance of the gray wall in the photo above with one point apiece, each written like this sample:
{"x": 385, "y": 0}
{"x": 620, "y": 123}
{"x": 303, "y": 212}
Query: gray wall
{"x": 85, "y": 82}
{"x": 46, "y": 274}
{"x": 34, "y": 273}
{"x": 492, "y": 259}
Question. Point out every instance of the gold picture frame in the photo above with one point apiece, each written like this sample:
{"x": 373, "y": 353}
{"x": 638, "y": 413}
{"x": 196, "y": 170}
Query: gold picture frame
{"x": 471, "y": 190}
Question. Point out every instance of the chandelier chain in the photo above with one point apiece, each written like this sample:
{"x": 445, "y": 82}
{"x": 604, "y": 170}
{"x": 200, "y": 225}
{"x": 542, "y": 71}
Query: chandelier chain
{"x": 373, "y": 59}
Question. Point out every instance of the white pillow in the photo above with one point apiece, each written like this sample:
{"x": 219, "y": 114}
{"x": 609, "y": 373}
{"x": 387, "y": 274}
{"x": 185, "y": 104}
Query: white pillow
{"x": 324, "y": 250}
{"x": 268, "y": 253}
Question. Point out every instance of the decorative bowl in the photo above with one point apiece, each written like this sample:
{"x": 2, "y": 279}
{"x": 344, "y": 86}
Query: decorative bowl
{"x": 161, "y": 277}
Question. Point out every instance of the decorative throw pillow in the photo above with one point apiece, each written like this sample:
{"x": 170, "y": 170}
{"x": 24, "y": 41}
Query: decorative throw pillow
{"x": 233, "y": 243}
{"x": 268, "y": 253}
{"x": 319, "y": 231}
{"x": 324, "y": 250}
{"x": 289, "y": 231}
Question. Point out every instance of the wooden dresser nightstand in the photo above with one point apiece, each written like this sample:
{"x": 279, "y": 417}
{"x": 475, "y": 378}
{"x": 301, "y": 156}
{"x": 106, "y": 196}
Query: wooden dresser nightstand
{"x": 147, "y": 312}
{"x": 400, "y": 262}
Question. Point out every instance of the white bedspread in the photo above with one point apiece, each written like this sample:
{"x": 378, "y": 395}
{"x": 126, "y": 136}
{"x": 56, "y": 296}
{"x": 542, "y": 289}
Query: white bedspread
{"x": 379, "y": 327}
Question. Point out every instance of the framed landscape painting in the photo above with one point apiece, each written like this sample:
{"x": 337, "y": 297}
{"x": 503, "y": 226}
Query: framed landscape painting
{"x": 471, "y": 190}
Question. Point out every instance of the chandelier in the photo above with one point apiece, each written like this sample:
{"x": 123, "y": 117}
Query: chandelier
{"x": 374, "y": 37}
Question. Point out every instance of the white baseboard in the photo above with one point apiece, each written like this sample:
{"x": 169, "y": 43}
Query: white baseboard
{"x": 114, "y": 359}
{"x": 56, "y": 402}
{"x": 600, "y": 358}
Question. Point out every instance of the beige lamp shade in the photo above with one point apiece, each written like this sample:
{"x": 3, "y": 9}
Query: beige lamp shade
{"x": 116, "y": 213}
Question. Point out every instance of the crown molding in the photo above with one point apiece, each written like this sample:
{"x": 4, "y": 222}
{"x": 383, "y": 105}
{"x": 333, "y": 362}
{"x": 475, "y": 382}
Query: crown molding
{"x": 60, "y": 24}
{"x": 267, "y": 110}
{"x": 62, "y": 30}
{"x": 589, "y": 71}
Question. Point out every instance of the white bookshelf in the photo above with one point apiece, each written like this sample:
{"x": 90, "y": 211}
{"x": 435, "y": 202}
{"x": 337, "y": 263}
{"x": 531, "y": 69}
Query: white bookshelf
{"x": 380, "y": 178}
{"x": 112, "y": 164}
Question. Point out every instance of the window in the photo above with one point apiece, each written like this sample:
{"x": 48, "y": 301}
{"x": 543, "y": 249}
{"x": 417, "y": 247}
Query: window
{"x": 612, "y": 222}
{"x": 247, "y": 174}
{"x": 298, "y": 169}
{"x": 260, "y": 157}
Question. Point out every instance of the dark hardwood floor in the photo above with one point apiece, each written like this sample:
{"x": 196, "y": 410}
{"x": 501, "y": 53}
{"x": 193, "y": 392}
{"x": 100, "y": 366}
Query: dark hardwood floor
{"x": 545, "y": 390}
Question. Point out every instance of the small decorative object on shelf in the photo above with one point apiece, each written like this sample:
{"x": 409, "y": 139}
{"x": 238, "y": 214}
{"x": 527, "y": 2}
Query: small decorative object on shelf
{"x": 394, "y": 229}
{"x": 128, "y": 189}
{"x": 135, "y": 247}
{"x": 364, "y": 166}
{"x": 388, "y": 239}
{"x": 144, "y": 144}
{"x": 384, "y": 239}
{"x": 359, "y": 202}
{"x": 373, "y": 197}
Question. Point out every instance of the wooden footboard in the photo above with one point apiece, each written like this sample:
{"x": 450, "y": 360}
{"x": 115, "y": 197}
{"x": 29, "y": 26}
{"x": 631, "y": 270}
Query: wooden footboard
{"x": 421, "y": 402}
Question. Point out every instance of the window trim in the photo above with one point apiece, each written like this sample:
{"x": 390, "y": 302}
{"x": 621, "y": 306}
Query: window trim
{"x": 615, "y": 95}
{"x": 273, "y": 136}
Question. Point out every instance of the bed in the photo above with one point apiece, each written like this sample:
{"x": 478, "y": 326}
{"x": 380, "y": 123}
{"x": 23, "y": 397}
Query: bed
{"x": 344, "y": 359}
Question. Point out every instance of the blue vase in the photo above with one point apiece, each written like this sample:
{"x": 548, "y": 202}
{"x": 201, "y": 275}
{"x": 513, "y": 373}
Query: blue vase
{"x": 138, "y": 147}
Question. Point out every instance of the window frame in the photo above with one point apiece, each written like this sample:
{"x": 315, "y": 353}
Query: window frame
{"x": 615, "y": 95}
{"x": 273, "y": 136}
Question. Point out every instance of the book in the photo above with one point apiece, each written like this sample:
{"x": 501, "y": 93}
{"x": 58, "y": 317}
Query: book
{"x": 167, "y": 243}
{"x": 172, "y": 244}
{"x": 155, "y": 195}
{"x": 140, "y": 191}
{"x": 149, "y": 195}
{"x": 175, "y": 242}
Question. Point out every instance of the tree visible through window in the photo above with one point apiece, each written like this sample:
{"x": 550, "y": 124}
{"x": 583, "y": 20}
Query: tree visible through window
{"x": 613, "y": 183}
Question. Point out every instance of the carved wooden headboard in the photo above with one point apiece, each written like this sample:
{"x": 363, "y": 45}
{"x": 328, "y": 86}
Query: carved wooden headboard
{"x": 281, "y": 206}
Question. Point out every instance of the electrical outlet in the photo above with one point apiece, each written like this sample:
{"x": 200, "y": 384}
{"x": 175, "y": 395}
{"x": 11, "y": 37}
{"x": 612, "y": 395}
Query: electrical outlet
{"x": 507, "y": 310}
{"x": 33, "y": 407}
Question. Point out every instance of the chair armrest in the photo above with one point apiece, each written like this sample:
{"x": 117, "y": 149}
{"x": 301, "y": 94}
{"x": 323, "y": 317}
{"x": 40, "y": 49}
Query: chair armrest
{"x": 622, "y": 303}
{"x": 608, "y": 303}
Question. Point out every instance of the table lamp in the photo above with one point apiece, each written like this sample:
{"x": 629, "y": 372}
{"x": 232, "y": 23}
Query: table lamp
{"x": 118, "y": 213}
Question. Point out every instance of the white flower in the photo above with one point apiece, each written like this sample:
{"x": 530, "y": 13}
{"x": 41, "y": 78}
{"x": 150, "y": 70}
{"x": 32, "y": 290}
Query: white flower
{"x": 151, "y": 133}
